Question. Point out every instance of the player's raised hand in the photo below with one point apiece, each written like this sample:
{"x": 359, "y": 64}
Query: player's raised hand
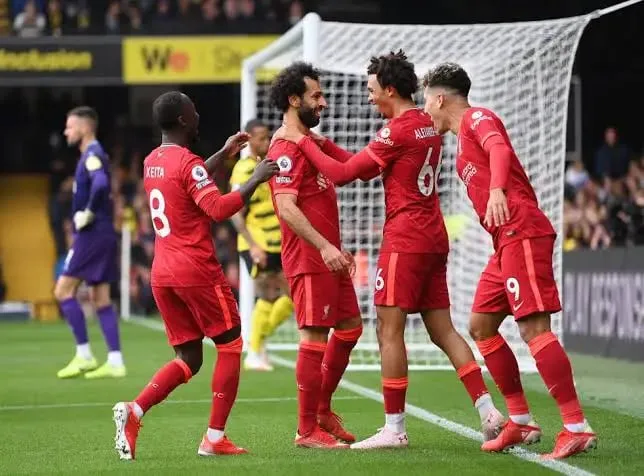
{"x": 334, "y": 259}
{"x": 497, "y": 212}
{"x": 235, "y": 143}
{"x": 265, "y": 170}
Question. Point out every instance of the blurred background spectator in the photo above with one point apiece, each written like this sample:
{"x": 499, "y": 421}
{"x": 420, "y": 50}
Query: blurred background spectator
{"x": 33, "y": 18}
{"x": 605, "y": 209}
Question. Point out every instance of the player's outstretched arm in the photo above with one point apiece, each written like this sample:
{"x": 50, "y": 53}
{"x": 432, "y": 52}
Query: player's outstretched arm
{"x": 355, "y": 167}
{"x": 301, "y": 226}
{"x": 233, "y": 145}
{"x": 330, "y": 148}
{"x": 221, "y": 207}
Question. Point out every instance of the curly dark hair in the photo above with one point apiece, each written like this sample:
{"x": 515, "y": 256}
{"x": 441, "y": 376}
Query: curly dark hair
{"x": 451, "y": 76}
{"x": 290, "y": 82}
{"x": 396, "y": 71}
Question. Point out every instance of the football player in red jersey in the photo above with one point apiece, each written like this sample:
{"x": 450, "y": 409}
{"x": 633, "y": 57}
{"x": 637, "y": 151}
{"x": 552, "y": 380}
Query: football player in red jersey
{"x": 318, "y": 272}
{"x": 412, "y": 264}
{"x": 190, "y": 289}
{"x": 519, "y": 277}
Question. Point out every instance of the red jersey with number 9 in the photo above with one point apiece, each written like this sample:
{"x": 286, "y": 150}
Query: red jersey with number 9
{"x": 478, "y": 125}
{"x": 175, "y": 181}
{"x": 408, "y": 150}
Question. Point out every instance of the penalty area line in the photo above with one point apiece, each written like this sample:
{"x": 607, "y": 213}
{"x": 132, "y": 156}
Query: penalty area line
{"x": 418, "y": 412}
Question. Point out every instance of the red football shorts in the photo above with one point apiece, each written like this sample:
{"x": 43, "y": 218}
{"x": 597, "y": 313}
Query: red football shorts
{"x": 519, "y": 280}
{"x": 196, "y": 312}
{"x": 323, "y": 300}
{"x": 412, "y": 281}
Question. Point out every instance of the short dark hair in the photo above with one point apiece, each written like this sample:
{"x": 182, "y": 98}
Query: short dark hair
{"x": 85, "y": 112}
{"x": 396, "y": 71}
{"x": 252, "y": 124}
{"x": 451, "y": 76}
{"x": 290, "y": 82}
{"x": 166, "y": 110}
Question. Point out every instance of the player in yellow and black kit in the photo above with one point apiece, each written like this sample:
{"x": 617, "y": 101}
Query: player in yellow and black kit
{"x": 260, "y": 243}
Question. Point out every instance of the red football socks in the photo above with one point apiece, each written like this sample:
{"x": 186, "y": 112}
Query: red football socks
{"x": 470, "y": 375}
{"x": 503, "y": 366}
{"x": 167, "y": 378}
{"x": 225, "y": 382}
{"x": 308, "y": 373}
{"x": 395, "y": 392}
{"x": 554, "y": 366}
{"x": 336, "y": 359}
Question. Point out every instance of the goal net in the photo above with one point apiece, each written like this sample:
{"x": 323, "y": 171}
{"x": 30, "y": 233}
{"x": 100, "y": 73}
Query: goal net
{"x": 520, "y": 70}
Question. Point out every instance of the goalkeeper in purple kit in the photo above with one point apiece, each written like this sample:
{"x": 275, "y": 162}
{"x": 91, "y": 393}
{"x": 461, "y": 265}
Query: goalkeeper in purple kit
{"x": 92, "y": 257}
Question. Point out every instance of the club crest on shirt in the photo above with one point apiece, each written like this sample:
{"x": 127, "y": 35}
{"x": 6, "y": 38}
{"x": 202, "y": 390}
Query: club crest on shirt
{"x": 385, "y": 132}
{"x": 285, "y": 163}
{"x": 477, "y": 114}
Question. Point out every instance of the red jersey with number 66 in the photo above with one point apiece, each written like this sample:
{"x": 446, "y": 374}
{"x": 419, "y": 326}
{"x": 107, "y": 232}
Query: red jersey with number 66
{"x": 479, "y": 125}
{"x": 408, "y": 150}
{"x": 175, "y": 182}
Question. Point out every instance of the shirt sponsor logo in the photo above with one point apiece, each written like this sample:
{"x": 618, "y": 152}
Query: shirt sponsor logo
{"x": 468, "y": 172}
{"x": 479, "y": 118}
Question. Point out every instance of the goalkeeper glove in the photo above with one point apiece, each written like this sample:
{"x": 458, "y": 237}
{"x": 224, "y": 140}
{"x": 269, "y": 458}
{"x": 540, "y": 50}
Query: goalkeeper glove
{"x": 83, "y": 218}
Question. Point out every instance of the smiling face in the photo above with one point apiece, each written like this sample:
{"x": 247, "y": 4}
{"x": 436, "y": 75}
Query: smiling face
{"x": 311, "y": 104}
{"x": 435, "y": 107}
{"x": 380, "y": 97}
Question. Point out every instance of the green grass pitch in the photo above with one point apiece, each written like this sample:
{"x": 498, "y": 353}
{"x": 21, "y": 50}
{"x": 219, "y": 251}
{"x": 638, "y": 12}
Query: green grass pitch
{"x": 49, "y": 426}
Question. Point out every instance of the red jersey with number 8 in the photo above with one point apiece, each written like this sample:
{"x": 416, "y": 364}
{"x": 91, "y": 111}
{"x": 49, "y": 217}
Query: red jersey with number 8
{"x": 408, "y": 150}
{"x": 175, "y": 181}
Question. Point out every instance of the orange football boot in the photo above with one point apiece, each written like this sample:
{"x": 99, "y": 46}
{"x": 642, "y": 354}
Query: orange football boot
{"x": 513, "y": 434}
{"x": 332, "y": 423}
{"x": 318, "y": 438}
{"x": 570, "y": 443}
{"x": 222, "y": 446}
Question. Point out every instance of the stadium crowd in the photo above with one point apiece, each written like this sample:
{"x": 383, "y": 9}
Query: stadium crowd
{"x": 604, "y": 207}
{"x": 33, "y": 18}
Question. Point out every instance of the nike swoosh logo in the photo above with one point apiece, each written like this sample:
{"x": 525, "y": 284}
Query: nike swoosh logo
{"x": 517, "y": 307}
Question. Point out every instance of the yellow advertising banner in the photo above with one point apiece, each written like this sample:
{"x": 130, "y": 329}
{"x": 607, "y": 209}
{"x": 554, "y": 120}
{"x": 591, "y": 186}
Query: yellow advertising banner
{"x": 199, "y": 59}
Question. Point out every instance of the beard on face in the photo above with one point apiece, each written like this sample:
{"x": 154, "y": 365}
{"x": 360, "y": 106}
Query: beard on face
{"x": 308, "y": 116}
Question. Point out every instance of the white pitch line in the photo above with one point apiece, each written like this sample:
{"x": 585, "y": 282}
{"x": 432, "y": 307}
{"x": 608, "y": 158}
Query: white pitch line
{"x": 10, "y": 408}
{"x": 422, "y": 414}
